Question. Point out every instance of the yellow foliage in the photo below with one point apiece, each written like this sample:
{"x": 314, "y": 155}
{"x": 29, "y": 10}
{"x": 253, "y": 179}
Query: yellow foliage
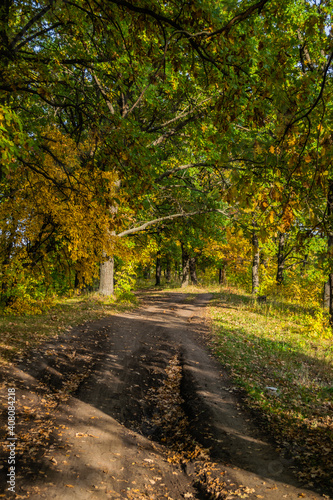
{"x": 56, "y": 206}
{"x": 288, "y": 217}
{"x": 271, "y": 217}
{"x": 234, "y": 251}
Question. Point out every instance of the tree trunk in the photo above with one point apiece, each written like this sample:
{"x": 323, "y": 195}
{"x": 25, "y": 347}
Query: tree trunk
{"x": 330, "y": 243}
{"x": 106, "y": 286}
{"x": 158, "y": 270}
{"x": 186, "y": 266}
{"x": 76, "y": 281}
{"x": 304, "y": 264}
{"x": 106, "y": 270}
{"x": 280, "y": 259}
{"x": 180, "y": 270}
{"x": 193, "y": 271}
{"x": 331, "y": 298}
{"x": 255, "y": 265}
{"x": 146, "y": 273}
{"x": 326, "y": 298}
{"x": 176, "y": 270}
{"x": 223, "y": 274}
{"x": 168, "y": 270}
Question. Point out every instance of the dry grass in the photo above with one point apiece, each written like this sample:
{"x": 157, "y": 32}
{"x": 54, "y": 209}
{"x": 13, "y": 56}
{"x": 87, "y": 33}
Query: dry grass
{"x": 18, "y": 334}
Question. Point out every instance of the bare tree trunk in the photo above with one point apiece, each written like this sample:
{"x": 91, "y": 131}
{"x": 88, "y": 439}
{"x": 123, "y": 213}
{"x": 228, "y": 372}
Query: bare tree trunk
{"x": 330, "y": 243}
{"x": 180, "y": 270}
{"x": 223, "y": 274}
{"x": 106, "y": 270}
{"x": 176, "y": 270}
{"x": 280, "y": 259}
{"x": 168, "y": 270}
{"x": 186, "y": 266}
{"x": 331, "y": 298}
{"x": 326, "y": 298}
{"x": 255, "y": 265}
{"x": 76, "y": 281}
{"x": 304, "y": 264}
{"x": 106, "y": 286}
{"x": 193, "y": 271}
{"x": 158, "y": 270}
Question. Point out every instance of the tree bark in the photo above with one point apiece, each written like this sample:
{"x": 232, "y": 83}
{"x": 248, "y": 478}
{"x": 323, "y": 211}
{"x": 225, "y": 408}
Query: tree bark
{"x": 186, "y": 266}
{"x": 223, "y": 274}
{"x": 106, "y": 270}
{"x": 106, "y": 284}
{"x": 330, "y": 299}
{"x": 304, "y": 264}
{"x": 330, "y": 244}
{"x": 281, "y": 259}
{"x": 180, "y": 270}
{"x": 255, "y": 265}
{"x": 158, "y": 270}
{"x": 193, "y": 271}
{"x": 326, "y": 298}
{"x": 76, "y": 281}
{"x": 168, "y": 271}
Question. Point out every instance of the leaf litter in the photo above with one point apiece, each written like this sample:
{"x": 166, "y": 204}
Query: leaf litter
{"x": 180, "y": 445}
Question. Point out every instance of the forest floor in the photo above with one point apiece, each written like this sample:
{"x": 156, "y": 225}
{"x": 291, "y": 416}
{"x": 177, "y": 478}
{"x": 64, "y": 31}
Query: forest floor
{"x": 135, "y": 406}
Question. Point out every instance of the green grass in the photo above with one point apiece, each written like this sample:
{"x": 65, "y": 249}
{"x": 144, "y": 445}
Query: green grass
{"x": 18, "y": 334}
{"x": 282, "y": 346}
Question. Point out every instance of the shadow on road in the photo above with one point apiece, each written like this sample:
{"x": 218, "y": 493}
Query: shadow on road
{"x": 84, "y": 416}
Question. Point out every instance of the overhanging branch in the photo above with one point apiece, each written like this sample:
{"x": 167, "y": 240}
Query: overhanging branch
{"x": 182, "y": 167}
{"x": 168, "y": 217}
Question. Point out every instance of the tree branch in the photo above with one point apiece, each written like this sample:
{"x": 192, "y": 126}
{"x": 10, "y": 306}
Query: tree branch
{"x": 182, "y": 167}
{"x": 322, "y": 87}
{"x": 39, "y": 33}
{"x": 106, "y": 99}
{"x": 168, "y": 217}
{"x": 32, "y": 21}
{"x": 240, "y": 17}
{"x": 181, "y": 115}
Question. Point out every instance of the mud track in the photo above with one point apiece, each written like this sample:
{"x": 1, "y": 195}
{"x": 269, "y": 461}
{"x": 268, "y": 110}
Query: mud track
{"x": 135, "y": 406}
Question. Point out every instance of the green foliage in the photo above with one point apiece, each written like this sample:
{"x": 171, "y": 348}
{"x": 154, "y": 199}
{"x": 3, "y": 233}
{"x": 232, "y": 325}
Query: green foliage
{"x": 125, "y": 282}
{"x": 147, "y": 112}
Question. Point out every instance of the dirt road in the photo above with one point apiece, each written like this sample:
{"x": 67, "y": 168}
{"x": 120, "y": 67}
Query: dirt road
{"x": 134, "y": 406}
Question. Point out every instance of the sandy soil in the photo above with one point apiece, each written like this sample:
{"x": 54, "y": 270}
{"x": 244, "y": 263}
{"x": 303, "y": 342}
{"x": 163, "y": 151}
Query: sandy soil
{"x": 135, "y": 406}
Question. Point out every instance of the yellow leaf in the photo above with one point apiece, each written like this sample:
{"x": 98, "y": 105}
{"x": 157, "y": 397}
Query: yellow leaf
{"x": 308, "y": 158}
{"x": 271, "y": 217}
{"x": 275, "y": 194}
{"x": 272, "y": 149}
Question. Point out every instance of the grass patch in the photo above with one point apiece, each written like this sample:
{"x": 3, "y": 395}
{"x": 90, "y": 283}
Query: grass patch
{"x": 19, "y": 334}
{"x": 272, "y": 345}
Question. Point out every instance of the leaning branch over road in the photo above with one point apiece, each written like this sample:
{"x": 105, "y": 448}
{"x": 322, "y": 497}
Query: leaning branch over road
{"x": 168, "y": 217}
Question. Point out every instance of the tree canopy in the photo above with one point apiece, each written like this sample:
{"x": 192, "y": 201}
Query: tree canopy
{"x": 118, "y": 116}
